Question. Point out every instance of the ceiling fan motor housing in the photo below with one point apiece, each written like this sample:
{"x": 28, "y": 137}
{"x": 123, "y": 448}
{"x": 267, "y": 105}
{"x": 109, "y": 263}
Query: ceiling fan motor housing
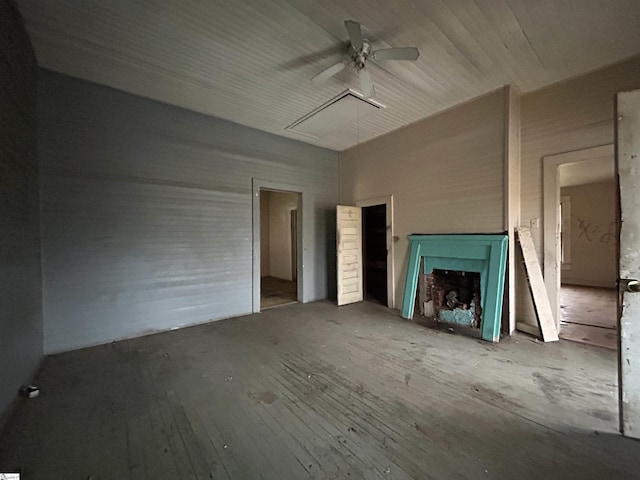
{"x": 360, "y": 56}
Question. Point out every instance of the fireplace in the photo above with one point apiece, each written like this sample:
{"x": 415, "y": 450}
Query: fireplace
{"x": 458, "y": 263}
{"x": 450, "y": 296}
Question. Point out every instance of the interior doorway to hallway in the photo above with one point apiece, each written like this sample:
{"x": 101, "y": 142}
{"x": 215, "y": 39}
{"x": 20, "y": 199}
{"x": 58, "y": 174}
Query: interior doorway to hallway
{"x": 378, "y": 269}
{"x": 588, "y": 252}
{"x": 278, "y": 248}
{"x": 374, "y": 253}
{"x": 587, "y": 218}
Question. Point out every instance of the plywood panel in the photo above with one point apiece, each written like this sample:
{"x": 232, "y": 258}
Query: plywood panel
{"x": 147, "y": 213}
{"x": 545, "y": 316}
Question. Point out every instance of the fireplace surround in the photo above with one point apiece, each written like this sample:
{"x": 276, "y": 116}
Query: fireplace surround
{"x": 485, "y": 254}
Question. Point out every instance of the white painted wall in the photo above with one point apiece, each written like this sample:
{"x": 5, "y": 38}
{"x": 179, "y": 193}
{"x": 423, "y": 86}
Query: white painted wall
{"x": 280, "y": 206}
{"x": 446, "y": 174}
{"x": 594, "y": 259}
{"x": 571, "y": 115}
{"x": 265, "y": 237}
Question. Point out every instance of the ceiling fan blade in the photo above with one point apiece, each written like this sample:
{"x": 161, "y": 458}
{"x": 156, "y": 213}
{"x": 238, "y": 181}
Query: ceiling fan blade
{"x": 405, "y": 53}
{"x": 355, "y": 34}
{"x": 366, "y": 84}
{"x": 328, "y": 73}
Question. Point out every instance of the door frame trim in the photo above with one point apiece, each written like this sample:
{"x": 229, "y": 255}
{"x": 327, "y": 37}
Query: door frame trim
{"x": 303, "y": 234}
{"x": 627, "y": 141}
{"x": 551, "y": 201}
{"x": 386, "y": 200}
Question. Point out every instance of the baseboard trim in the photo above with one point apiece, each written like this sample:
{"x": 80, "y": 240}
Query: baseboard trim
{"x": 6, "y": 414}
{"x": 589, "y": 283}
{"x": 528, "y": 328}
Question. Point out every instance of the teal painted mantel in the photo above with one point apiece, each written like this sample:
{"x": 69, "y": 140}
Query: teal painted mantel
{"x": 485, "y": 254}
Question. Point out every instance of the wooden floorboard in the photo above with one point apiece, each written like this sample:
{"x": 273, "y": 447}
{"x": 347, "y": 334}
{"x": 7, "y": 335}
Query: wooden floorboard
{"x": 320, "y": 392}
{"x": 275, "y": 292}
{"x": 589, "y": 306}
{"x": 589, "y": 315}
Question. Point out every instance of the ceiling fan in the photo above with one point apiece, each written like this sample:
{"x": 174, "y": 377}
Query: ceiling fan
{"x": 359, "y": 53}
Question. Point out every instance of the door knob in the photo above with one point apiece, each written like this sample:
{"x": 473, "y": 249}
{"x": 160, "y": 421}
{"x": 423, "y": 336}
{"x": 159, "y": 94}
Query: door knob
{"x": 629, "y": 285}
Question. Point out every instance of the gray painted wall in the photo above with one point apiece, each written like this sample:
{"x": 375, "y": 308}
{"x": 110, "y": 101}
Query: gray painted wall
{"x": 20, "y": 279}
{"x": 147, "y": 213}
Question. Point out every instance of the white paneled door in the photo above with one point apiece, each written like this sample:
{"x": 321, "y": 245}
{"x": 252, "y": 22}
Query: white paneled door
{"x": 349, "y": 246}
{"x": 628, "y": 158}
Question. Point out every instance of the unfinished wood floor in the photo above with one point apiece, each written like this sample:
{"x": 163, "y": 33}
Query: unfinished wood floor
{"x": 589, "y": 315}
{"x": 316, "y": 391}
{"x": 275, "y": 292}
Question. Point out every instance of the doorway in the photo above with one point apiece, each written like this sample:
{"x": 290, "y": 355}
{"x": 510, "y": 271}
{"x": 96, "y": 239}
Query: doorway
{"x": 588, "y": 252}
{"x": 374, "y": 253}
{"x": 583, "y": 225}
{"x": 278, "y": 248}
{"x": 378, "y": 258}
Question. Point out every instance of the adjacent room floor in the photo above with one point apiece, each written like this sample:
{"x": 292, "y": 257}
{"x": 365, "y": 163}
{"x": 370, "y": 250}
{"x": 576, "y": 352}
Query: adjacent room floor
{"x": 589, "y": 315}
{"x": 316, "y": 391}
{"x": 275, "y": 292}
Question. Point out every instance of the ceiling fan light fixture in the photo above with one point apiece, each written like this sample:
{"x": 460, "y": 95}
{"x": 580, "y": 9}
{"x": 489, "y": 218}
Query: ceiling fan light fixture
{"x": 360, "y": 52}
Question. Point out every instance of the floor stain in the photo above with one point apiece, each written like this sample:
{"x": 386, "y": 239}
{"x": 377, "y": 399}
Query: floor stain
{"x": 407, "y": 378}
{"x": 266, "y": 398}
{"x": 553, "y": 388}
{"x": 503, "y": 360}
{"x": 493, "y": 396}
{"x": 434, "y": 434}
{"x": 605, "y": 415}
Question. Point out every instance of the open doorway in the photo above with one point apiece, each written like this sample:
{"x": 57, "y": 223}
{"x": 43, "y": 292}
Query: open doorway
{"x": 588, "y": 252}
{"x": 374, "y": 253}
{"x": 278, "y": 248}
{"x": 378, "y": 271}
{"x": 581, "y": 244}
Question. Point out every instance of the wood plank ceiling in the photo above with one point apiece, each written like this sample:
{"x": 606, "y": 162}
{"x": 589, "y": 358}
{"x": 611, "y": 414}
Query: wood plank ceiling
{"x": 250, "y": 61}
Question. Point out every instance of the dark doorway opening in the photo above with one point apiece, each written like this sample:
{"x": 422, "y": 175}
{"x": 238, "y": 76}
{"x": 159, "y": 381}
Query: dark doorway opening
{"x": 374, "y": 253}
